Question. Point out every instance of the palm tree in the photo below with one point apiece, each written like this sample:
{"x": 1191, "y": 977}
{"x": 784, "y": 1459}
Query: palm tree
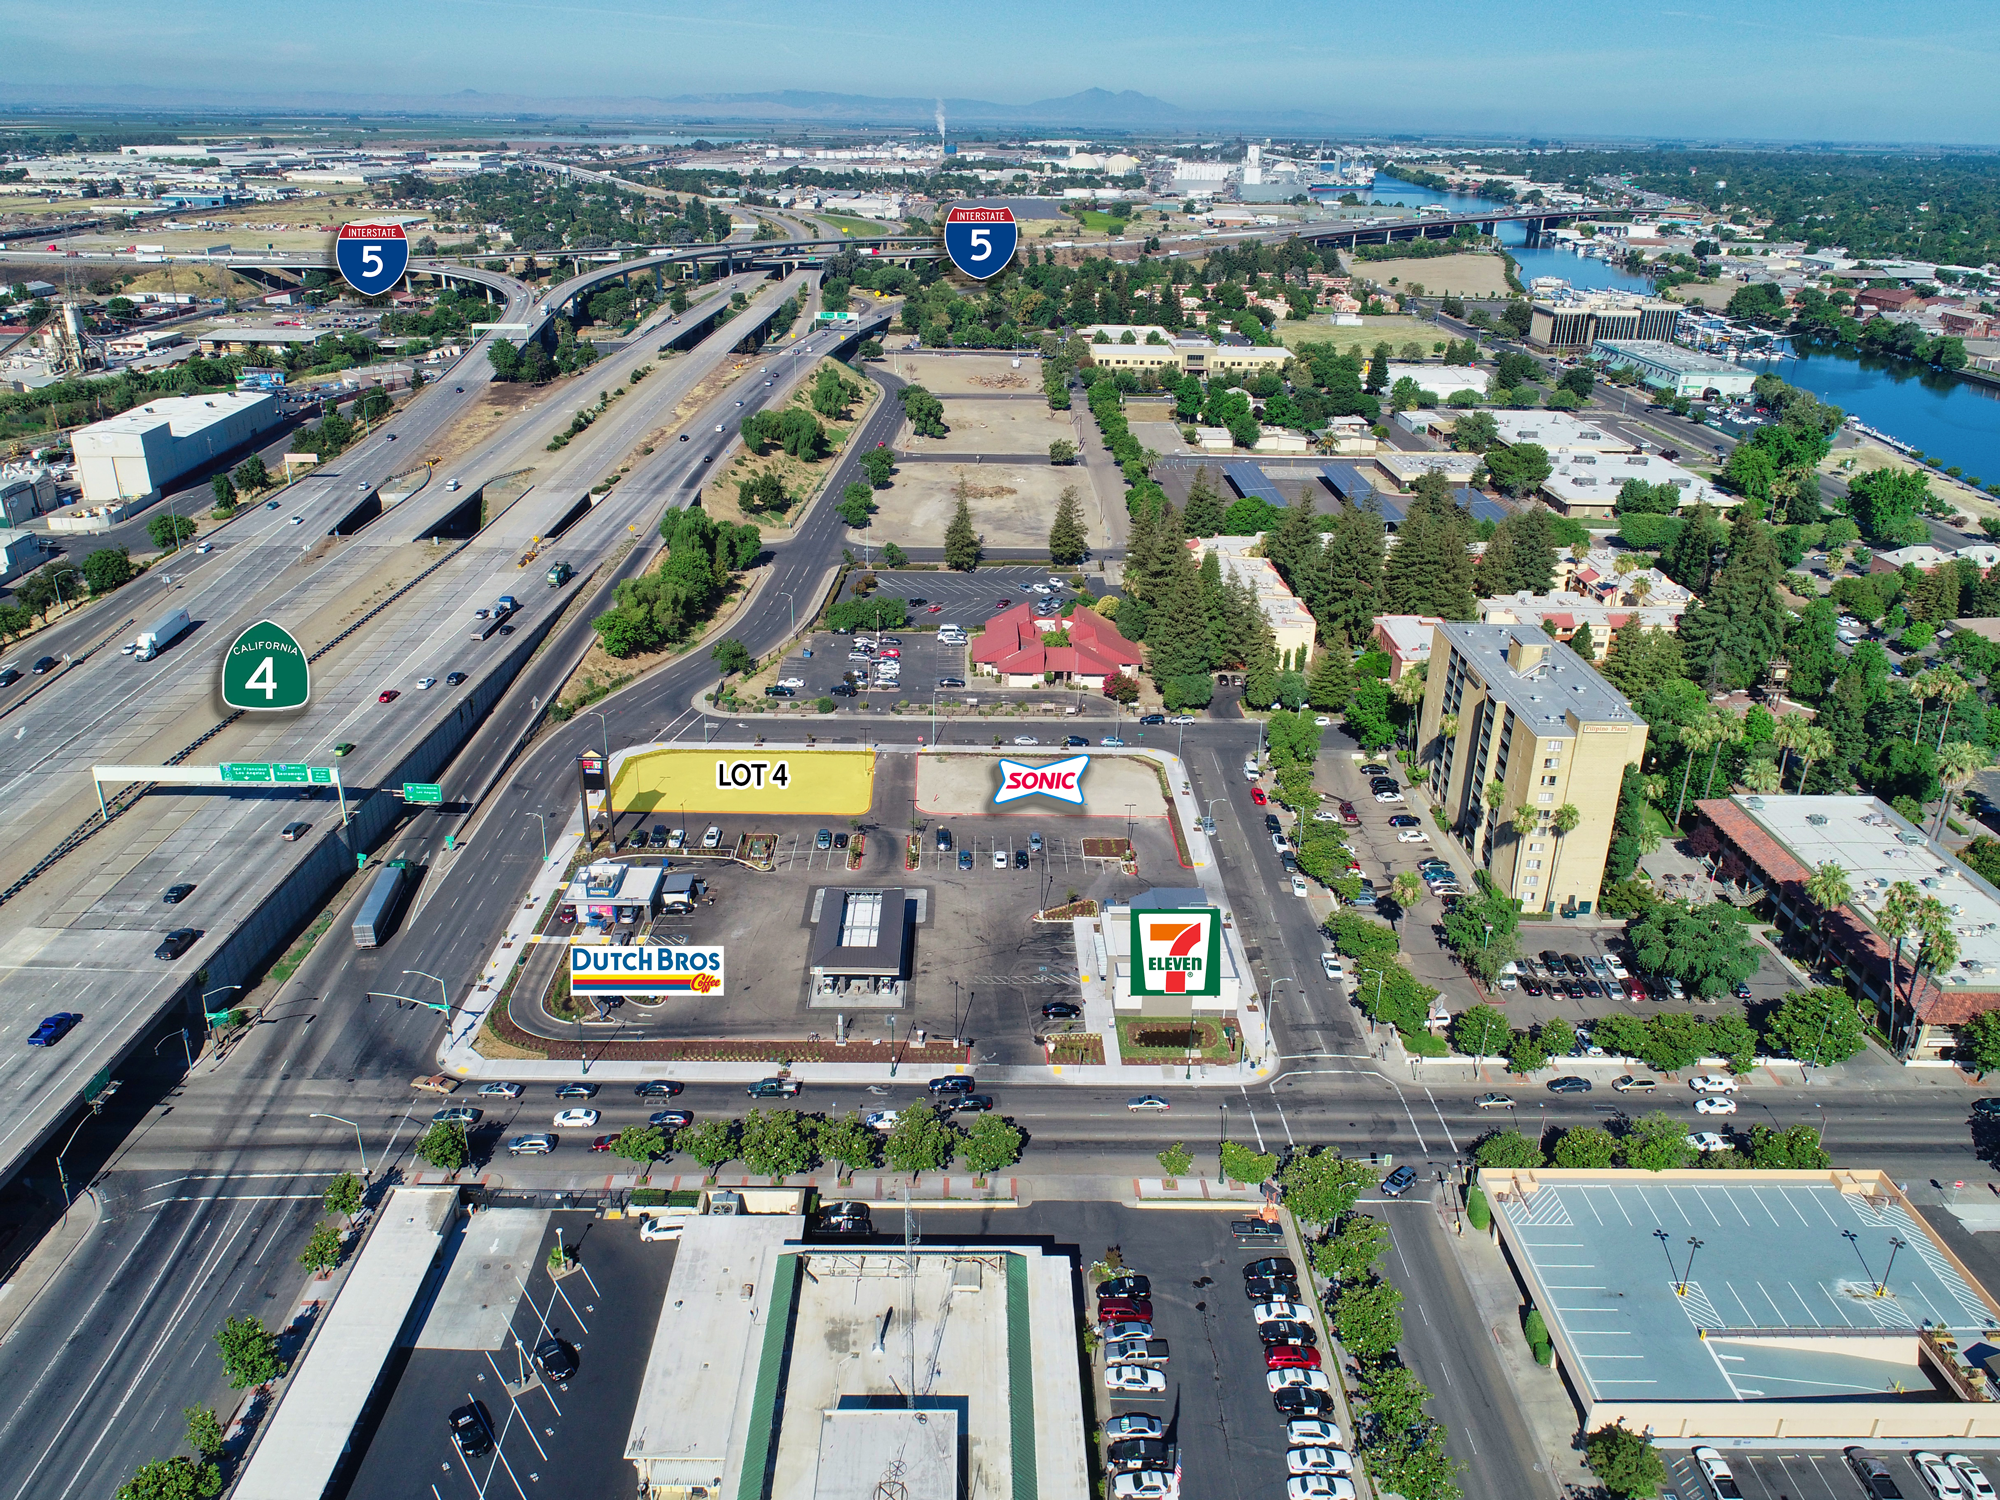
{"x": 1408, "y": 889}
{"x": 1564, "y": 822}
{"x": 1729, "y": 729}
{"x": 1950, "y": 688}
{"x": 1937, "y": 950}
{"x": 1789, "y": 736}
{"x": 1408, "y": 690}
{"x": 1958, "y": 763}
{"x": 1695, "y": 738}
{"x": 1897, "y": 916}
{"x": 1640, "y": 587}
{"x": 1829, "y": 889}
{"x": 1761, "y": 777}
{"x": 1818, "y": 744}
{"x": 1923, "y": 686}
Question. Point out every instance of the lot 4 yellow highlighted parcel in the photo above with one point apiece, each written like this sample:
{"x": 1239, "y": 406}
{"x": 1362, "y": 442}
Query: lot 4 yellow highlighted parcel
{"x": 719, "y": 779}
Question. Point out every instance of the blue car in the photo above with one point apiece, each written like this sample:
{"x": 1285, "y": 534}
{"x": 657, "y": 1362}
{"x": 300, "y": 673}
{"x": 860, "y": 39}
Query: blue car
{"x": 54, "y": 1028}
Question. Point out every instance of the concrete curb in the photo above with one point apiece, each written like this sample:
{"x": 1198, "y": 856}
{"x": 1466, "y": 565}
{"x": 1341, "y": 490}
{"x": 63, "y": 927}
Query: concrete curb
{"x": 45, "y": 1262}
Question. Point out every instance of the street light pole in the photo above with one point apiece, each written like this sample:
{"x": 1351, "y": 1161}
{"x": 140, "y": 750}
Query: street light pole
{"x": 545, "y": 834}
{"x": 606, "y": 724}
{"x": 207, "y": 1029}
{"x": 357, "y": 1139}
{"x": 61, "y": 1175}
{"x": 443, "y": 988}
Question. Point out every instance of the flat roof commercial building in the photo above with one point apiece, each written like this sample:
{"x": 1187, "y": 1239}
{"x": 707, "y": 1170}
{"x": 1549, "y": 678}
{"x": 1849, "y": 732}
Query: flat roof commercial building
{"x": 1558, "y": 430}
{"x": 1586, "y": 484}
{"x": 135, "y": 454}
{"x": 861, "y": 946}
{"x": 1680, "y": 372}
{"x": 783, "y": 1370}
{"x": 1788, "y": 1324}
{"x": 1153, "y": 347}
{"x": 1576, "y": 320}
{"x": 1505, "y": 703}
{"x": 1112, "y": 957}
{"x": 1775, "y": 843}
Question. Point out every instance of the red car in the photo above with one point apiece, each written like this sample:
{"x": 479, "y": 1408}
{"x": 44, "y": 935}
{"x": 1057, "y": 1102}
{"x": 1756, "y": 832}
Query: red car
{"x": 934, "y": 609}
{"x": 1349, "y": 816}
{"x": 388, "y": 695}
{"x": 606, "y": 1142}
{"x": 1257, "y": 796}
{"x": 1291, "y": 1357}
{"x": 1124, "y": 1310}
{"x": 1635, "y": 988}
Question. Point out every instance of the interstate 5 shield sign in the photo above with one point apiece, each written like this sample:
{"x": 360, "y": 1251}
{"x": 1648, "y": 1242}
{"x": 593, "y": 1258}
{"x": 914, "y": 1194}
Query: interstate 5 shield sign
{"x": 980, "y": 241}
{"x": 371, "y": 257}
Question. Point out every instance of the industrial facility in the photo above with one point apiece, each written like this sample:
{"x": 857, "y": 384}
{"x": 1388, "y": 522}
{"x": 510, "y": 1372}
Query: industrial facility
{"x": 136, "y": 454}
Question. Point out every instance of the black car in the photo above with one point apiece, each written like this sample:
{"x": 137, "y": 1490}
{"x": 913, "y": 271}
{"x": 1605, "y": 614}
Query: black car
{"x": 1152, "y": 718}
{"x": 952, "y": 1083}
{"x": 1126, "y": 1286}
{"x": 670, "y": 1119}
{"x": 919, "y": 603}
{"x": 842, "y": 690}
{"x": 9, "y": 676}
{"x": 556, "y": 1358}
{"x": 1741, "y": 989}
{"x": 944, "y": 840}
{"x": 1573, "y": 988}
{"x": 1399, "y": 1181}
{"x": 658, "y": 838}
{"x": 951, "y": 682}
{"x": 1552, "y": 959}
{"x": 845, "y": 1225}
{"x": 176, "y": 943}
{"x": 1272, "y": 1265}
{"x": 453, "y": 679}
{"x": 973, "y": 1104}
{"x": 471, "y": 1429}
{"x": 1575, "y": 965}
{"x": 174, "y": 895}
{"x": 1020, "y": 859}
{"x": 1873, "y": 1474}
{"x": 1285, "y": 1331}
{"x": 45, "y": 664}
{"x": 1297, "y": 1401}
{"x": 1982, "y": 1109}
{"x": 657, "y": 1088}
{"x": 1066, "y": 1010}
{"x": 1529, "y": 984}
{"x": 1136, "y": 1453}
{"x": 1569, "y": 1084}
{"x": 577, "y": 1091}
{"x": 1592, "y": 988}
{"x": 1271, "y": 1289}
{"x": 1072, "y": 741}
{"x": 774, "y": 691}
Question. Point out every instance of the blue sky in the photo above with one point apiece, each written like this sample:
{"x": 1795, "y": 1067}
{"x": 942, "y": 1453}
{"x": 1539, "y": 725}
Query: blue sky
{"x": 1788, "y": 69}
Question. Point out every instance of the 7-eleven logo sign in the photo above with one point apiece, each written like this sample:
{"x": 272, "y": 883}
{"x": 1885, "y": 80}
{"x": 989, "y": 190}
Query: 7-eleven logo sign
{"x": 1177, "y": 952}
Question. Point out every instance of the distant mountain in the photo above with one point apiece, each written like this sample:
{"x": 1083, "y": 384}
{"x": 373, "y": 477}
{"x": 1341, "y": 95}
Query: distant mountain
{"x": 1092, "y": 109}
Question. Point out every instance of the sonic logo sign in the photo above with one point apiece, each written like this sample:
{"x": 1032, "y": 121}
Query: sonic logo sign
{"x": 1177, "y": 952}
{"x": 648, "y": 970}
{"x": 1061, "y": 779}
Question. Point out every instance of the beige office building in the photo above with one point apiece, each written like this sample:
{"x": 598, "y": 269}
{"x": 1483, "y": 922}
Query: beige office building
{"x": 1505, "y": 703}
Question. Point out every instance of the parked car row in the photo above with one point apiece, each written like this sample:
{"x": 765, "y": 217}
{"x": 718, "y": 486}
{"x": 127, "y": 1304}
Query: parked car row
{"x": 1317, "y": 1463}
{"x": 1137, "y": 1456}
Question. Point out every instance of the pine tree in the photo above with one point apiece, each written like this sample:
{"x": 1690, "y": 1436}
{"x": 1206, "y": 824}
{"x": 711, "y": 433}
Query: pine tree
{"x": 1177, "y": 638}
{"x": 1067, "y": 542}
{"x": 1689, "y": 558}
{"x": 1742, "y": 624}
{"x": 1430, "y": 572}
{"x": 961, "y": 542}
{"x": 1205, "y": 510}
{"x": 1582, "y": 642}
{"x": 1332, "y": 679}
{"x": 1290, "y": 540}
{"x": 1352, "y": 563}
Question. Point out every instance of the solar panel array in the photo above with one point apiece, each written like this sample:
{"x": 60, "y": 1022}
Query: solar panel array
{"x": 1482, "y": 508}
{"x": 1251, "y": 483}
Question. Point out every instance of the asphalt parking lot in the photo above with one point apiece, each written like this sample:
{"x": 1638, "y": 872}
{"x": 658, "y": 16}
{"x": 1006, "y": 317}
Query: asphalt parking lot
{"x": 1216, "y": 1408}
{"x": 1816, "y": 1475}
{"x": 923, "y": 656}
{"x": 968, "y": 599}
{"x": 566, "y": 1438}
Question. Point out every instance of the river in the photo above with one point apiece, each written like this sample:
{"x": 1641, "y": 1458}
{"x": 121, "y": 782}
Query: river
{"x": 1955, "y": 420}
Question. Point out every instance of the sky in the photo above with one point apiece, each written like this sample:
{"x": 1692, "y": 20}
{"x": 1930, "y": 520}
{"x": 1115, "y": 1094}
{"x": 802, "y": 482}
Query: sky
{"x": 1919, "y": 70}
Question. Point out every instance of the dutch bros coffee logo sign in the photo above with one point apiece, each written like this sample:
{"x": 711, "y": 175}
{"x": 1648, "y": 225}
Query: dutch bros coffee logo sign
{"x": 649, "y": 970}
{"x": 980, "y": 241}
{"x": 1177, "y": 952}
{"x": 371, "y": 257}
{"x": 1062, "y": 780}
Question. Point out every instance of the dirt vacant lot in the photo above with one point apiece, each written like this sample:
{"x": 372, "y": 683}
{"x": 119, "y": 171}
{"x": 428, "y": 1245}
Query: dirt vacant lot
{"x": 1012, "y": 504}
{"x": 996, "y": 427}
{"x": 948, "y": 375}
{"x": 1474, "y": 274}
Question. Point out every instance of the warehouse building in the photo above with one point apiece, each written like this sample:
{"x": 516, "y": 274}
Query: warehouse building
{"x": 136, "y": 454}
{"x": 1751, "y": 1309}
{"x": 1678, "y": 371}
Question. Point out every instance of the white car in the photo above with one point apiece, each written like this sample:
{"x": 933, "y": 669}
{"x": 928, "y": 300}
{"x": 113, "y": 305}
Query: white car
{"x": 1025, "y": 739}
{"x": 1321, "y": 721}
{"x": 791, "y": 682}
{"x": 1180, "y": 718}
{"x": 1712, "y": 1083}
{"x": 1388, "y": 796}
{"x": 1323, "y": 816}
{"x": 206, "y": 547}
{"x": 1147, "y": 1484}
{"x": 1971, "y": 1476}
{"x": 1141, "y": 1378}
{"x": 501, "y": 1091}
{"x": 574, "y": 1119}
{"x": 299, "y": 520}
{"x": 1312, "y": 1432}
{"x": 1937, "y": 1475}
{"x": 1319, "y": 1461}
{"x": 882, "y": 1119}
{"x": 1298, "y": 885}
{"x": 1616, "y": 966}
{"x": 1412, "y": 836}
{"x": 713, "y": 838}
{"x": 1330, "y": 962}
{"x": 1715, "y": 1104}
{"x": 1280, "y": 1311}
{"x": 677, "y": 839}
{"x": 999, "y": 859}
{"x": 1318, "y": 1487}
{"x": 1715, "y": 1470}
{"x": 1305, "y": 1380}
{"x": 659, "y": 1227}
{"x": 1706, "y": 1141}
{"x": 424, "y": 683}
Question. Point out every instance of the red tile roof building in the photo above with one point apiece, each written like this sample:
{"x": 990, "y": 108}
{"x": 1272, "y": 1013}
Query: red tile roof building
{"x": 1012, "y": 649}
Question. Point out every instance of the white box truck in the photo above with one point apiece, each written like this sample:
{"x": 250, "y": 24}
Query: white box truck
{"x": 162, "y": 633}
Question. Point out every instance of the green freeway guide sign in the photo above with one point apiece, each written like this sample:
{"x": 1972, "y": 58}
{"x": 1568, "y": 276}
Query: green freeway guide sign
{"x": 265, "y": 772}
{"x": 266, "y": 669}
{"x": 423, "y": 791}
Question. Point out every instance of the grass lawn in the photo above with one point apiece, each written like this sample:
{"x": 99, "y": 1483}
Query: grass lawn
{"x": 1397, "y": 330}
{"x": 862, "y": 228}
{"x": 1657, "y": 825}
{"x": 1164, "y": 1039}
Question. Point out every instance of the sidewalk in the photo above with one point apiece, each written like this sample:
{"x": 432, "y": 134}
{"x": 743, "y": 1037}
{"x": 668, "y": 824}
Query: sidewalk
{"x": 458, "y": 1056}
{"x": 42, "y": 1263}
